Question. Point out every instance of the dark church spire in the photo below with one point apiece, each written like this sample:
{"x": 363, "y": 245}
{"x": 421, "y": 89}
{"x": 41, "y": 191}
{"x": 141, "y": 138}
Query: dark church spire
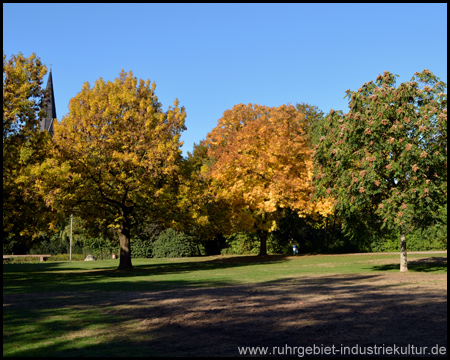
{"x": 50, "y": 108}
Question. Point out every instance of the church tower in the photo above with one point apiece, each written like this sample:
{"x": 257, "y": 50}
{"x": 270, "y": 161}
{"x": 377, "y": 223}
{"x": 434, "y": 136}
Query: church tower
{"x": 50, "y": 108}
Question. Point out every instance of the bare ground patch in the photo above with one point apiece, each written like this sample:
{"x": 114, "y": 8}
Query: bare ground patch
{"x": 365, "y": 309}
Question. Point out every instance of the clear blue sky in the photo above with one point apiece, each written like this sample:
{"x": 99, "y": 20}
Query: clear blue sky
{"x": 213, "y": 56}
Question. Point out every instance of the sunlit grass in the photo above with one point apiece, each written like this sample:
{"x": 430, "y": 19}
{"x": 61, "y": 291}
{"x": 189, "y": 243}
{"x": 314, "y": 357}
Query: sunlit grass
{"x": 156, "y": 274}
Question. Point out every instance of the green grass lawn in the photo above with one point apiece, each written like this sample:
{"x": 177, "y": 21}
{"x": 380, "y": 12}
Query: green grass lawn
{"x": 46, "y": 324}
{"x": 159, "y": 274}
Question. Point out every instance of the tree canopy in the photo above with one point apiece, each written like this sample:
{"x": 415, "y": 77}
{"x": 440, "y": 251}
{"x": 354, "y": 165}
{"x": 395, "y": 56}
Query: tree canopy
{"x": 261, "y": 164}
{"x": 116, "y": 157}
{"x": 385, "y": 162}
{"x": 24, "y": 146}
{"x": 115, "y": 161}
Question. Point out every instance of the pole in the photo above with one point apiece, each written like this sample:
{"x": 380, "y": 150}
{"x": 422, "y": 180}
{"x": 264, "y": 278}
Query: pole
{"x": 70, "y": 246}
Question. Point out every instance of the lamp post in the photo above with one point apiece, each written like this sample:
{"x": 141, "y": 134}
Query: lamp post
{"x": 70, "y": 245}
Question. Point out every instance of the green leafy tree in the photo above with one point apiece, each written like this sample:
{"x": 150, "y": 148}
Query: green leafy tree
{"x": 116, "y": 158}
{"x": 313, "y": 118}
{"x": 385, "y": 162}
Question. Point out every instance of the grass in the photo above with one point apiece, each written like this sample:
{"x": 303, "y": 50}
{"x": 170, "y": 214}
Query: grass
{"x": 161, "y": 274}
{"x": 57, "y": 319}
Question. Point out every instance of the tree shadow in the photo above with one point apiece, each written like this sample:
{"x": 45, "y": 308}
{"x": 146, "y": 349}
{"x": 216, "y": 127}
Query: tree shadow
{"x": 22, "y": 278}
{"x": 340, "y": 310}
{"x": 421, "y": 265}
{"x": 54, "y": 278}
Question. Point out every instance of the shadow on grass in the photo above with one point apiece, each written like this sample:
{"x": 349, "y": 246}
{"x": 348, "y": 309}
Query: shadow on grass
{"x": 21, "y": 278}
{"x": 422, "y": 265}
{"x": 346, "y": 309}
{"x": 158, "y": 274}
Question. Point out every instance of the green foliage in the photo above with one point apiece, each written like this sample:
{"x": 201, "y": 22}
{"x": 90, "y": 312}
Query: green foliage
{"x": 172, "y": 243}
{"x": 101, "y": 253}
{"x": 315, "y": 235}
{"x": 202, "y": 215}
{"x": 433, "y": 237}
{"x": 418, "y": 240}
{"x": 99, "y": 247}
{"x": 22, "y": 260}
{"x": 313, "y": 119}
{"x": 301, "y": 231}
{"x": 36, "y": 260}
{"x": 141, "y": 248}
{"x": 142, "y": 243}
{"x": 50, "y": 245}
{"x": 66, "y": 257}
{"x": 384, "y": 163}
{"x": 241, "y": 243}
{"x": 325, "y": 236}
{"x": 58, "y": 243}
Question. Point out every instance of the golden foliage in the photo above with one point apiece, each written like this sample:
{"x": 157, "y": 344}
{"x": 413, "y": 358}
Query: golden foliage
{"x": 262, "y": 162}
{"x": 117, "y": 152}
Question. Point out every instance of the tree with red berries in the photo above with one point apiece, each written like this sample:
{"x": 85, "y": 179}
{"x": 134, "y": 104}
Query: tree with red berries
{"x": 385, "y": 161}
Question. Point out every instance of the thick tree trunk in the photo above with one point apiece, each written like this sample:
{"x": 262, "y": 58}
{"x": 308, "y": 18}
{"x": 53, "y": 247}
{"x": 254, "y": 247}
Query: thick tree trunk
{"x": 403, "y": 261}
{"x": 263, "y": 239}
{"x": 125, "y": 249}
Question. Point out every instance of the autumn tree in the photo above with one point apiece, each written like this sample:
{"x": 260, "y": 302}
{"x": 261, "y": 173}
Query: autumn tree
{"x": 204, "y": 215}
{"x": 261, "y": 164}
{"x": 195, "y": 200}
{"x": 116, "y": 158}
{"x": 385, "y": 161}
{"x": 24, "y": 212}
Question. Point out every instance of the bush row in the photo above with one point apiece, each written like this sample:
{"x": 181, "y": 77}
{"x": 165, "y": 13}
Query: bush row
{"x": 152, "y": 241}
{"x": 169, "y": 244}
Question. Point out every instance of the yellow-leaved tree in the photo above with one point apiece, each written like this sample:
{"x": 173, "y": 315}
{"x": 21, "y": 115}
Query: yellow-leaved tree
{"x": 261, "y": 164}
{"x": 24, "y": 145}
{"x": 116, "y": 157}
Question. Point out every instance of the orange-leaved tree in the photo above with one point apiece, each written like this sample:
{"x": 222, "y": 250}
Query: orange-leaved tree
{"x": 116, "y": 158}
{"x": 261, "y": 164}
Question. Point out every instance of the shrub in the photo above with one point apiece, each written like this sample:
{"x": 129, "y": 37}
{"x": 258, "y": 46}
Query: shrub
{"x": 429, "y": 239}
{"x": 142, "y": 243}
{"x": 172, "y": 243}
{"x": 241, "y": 243}
{"x": 66, "y": 257}
{"x": 141, "y": 248}
{"x": 22, "y": 260}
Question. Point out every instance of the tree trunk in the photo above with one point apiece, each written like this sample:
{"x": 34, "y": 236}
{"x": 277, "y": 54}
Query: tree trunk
{"x": 263, "y": 239}
{"x": 125, "y": 249}
{"x": 403, "y": 261}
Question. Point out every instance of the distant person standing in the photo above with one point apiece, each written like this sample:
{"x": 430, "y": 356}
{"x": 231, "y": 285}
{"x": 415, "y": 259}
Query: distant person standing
{"x": 295, "y": 249}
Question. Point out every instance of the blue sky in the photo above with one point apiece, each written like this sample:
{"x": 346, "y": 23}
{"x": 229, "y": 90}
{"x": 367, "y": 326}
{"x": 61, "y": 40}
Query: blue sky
{"x": 214, "y": 56}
